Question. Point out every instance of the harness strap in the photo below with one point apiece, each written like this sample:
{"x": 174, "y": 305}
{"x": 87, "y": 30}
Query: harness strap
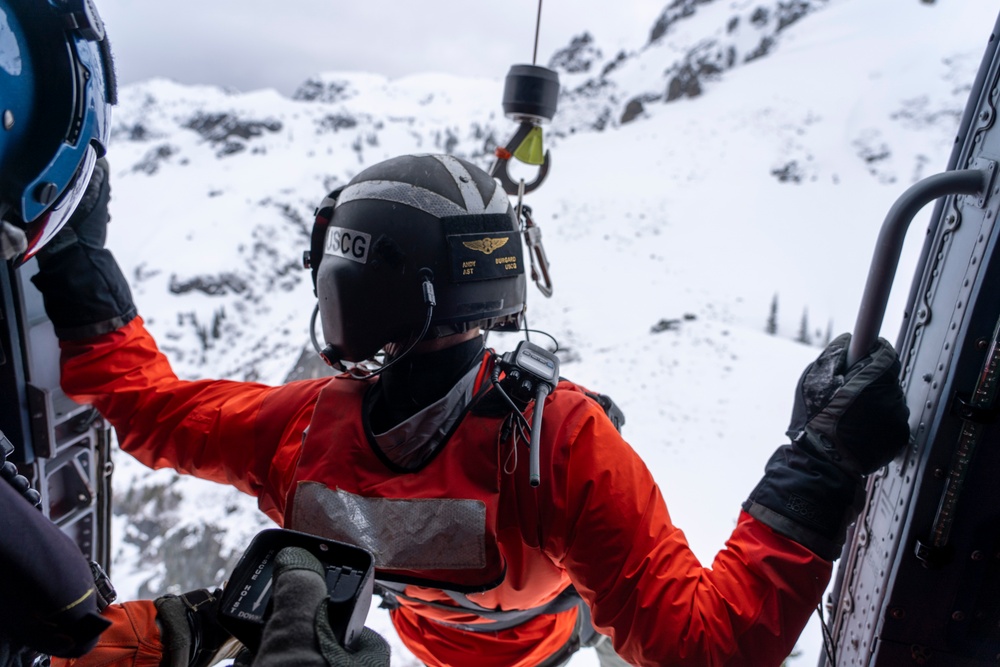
{"x": 497, "y": 619}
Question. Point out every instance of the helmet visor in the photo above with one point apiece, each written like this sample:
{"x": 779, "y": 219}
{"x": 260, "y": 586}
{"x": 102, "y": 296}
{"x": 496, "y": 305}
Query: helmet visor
{"x": 41, "y": 230}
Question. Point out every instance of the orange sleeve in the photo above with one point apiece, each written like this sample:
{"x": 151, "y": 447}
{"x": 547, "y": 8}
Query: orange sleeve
{"x": 645, "y": 586}
{"x": 133, "y": 640}
{"x": 242, "y": 434}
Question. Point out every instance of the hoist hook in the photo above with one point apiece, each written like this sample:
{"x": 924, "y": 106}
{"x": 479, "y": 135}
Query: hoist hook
{"x": 502, "y": 163}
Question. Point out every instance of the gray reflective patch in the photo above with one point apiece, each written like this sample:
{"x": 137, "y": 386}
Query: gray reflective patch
{"x": 402, "y": 534}
{"x": 419, "y": 198}
{"x": 427, "y": 201}
{"x": 474, "y": 203}
{"x": 470, "y": 193}
{"x": 499, "y": 203}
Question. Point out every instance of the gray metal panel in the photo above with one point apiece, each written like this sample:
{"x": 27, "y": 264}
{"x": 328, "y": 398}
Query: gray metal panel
{"x": 65, "y": 450}
{"x": 919, "y": 582}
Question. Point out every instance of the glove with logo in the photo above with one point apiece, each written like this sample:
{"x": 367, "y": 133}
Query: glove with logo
{"x": 83, "y": 288}
{"x": 190, "y": 629}
{"x": 846, "y": 424}
{"x": 298, "y": 632}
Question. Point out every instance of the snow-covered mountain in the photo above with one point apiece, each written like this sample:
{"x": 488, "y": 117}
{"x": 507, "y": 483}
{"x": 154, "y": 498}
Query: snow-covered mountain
{"x": 733, "y": 168}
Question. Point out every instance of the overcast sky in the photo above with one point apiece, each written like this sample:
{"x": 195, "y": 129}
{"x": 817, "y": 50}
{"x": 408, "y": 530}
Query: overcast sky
{"x": 251, "y": 44}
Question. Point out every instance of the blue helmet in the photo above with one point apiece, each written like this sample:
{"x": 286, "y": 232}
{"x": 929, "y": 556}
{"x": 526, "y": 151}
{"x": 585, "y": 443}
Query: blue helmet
{"x": 57, "y": 85}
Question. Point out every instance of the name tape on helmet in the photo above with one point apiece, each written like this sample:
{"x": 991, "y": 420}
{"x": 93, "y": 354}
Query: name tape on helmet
{"x": 347, "y": 243}
{"x": 485, "y": 256}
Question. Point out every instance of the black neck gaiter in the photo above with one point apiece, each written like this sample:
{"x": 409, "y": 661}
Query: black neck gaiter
{"x": 418, "y": 380}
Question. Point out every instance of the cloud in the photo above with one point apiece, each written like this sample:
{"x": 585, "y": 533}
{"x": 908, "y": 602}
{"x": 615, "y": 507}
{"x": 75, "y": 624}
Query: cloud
{"x": 250, "y": 44}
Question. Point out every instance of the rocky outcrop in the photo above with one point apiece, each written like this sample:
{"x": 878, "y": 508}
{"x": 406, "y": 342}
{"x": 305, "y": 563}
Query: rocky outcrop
{"x": 676, "y": 62}
{"x": 229, "y": 132}
{"x": 579, "y": 57}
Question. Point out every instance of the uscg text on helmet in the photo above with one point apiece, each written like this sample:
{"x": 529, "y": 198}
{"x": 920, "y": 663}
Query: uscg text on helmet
{"x": 347, "y": 243}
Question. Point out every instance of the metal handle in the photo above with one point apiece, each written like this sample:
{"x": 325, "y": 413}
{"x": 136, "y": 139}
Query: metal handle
{"x": 890, "y": 244}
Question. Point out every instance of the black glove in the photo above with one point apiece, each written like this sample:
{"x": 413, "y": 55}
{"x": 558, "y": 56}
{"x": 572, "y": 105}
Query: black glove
{"x": 84, "y": 291}
{"x": 857, "y": 416}
{"x": 846, "y": 423}
{"x": 191, "y": 633}
{"x": 298, "y": 632}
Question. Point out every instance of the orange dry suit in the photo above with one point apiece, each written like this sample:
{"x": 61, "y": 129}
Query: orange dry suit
{"x": 461, "y": 529}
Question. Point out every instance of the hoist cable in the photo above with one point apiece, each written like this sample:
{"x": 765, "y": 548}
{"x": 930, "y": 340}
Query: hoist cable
{"x": 538, "y": 26}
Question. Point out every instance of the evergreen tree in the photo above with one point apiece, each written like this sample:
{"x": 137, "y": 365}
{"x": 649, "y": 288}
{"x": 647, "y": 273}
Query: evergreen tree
{"x": 804, "y": 336}
{"x": 772, "y": 318}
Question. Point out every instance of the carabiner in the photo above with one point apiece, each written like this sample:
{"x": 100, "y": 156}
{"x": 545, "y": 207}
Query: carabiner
{"x": 536, "y": 253}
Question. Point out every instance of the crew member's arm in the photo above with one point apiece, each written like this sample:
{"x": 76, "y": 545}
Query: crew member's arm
{"x": 132, "y": 640}
{"x": 229, "y": 432}
{"x": 238, "y": 433}
{"x": 171, "y": 631}
{"x": 48, "y": 600}
{"x": 649, "y": 592}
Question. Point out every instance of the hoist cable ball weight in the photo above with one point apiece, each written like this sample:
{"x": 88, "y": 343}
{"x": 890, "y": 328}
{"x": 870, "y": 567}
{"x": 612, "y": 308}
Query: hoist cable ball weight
{"x": 530, "y": 93}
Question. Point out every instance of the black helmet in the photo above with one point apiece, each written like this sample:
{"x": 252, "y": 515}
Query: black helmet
{"x": 399, "y": 225}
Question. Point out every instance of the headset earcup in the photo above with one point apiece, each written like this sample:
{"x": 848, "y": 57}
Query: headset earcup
{"x": 317, "y": 239}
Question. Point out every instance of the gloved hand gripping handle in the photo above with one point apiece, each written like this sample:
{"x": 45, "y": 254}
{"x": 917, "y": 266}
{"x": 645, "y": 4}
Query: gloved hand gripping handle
{"x": 847, "y": 422}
